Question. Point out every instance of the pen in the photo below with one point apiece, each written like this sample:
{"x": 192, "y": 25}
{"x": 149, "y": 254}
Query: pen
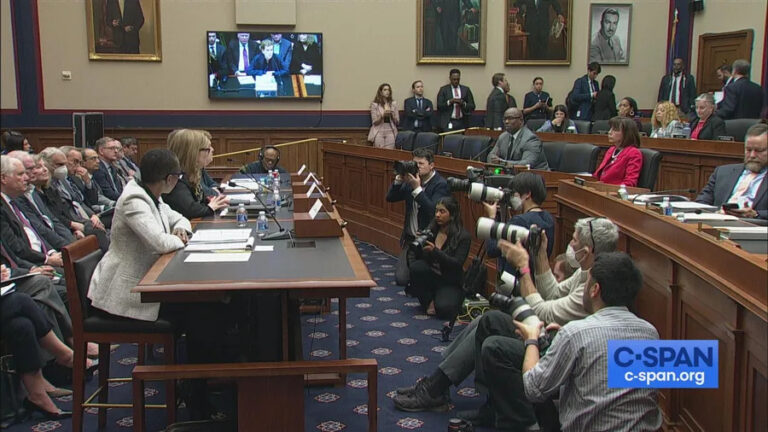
{"x": 58, "y": 274}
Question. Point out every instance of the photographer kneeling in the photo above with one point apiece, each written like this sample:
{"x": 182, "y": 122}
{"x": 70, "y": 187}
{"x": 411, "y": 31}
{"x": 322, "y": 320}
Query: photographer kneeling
{"x": 420, "y": 186}
{"x": 435, "y": 261}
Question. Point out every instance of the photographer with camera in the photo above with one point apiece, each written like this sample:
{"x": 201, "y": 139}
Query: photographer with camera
{"x": 575, "y": 364}
{"x": 435, "y": 260}
{"x": 420, "y": 186}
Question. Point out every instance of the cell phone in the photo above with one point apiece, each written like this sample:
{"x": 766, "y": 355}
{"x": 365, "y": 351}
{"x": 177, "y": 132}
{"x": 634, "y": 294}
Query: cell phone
{"x": 730, "y": 206}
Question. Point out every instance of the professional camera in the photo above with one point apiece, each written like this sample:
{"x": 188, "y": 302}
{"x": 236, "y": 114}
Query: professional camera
{"x": 475, "y": 191}
{"x": 519, "y": 309}
{"x": 406, "y": 167}
{"x": 488, "y": 228}
{"x": 417, "y": 245}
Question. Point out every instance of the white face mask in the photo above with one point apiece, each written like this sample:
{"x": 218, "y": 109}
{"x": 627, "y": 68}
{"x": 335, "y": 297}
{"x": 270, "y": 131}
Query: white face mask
{"x": 516, "y": 202}
{"x": 570, "y": 256}
{"x": 60, "y": 173}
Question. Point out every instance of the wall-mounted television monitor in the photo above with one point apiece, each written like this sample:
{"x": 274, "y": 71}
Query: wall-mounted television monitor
{"x": 263, "y": 65}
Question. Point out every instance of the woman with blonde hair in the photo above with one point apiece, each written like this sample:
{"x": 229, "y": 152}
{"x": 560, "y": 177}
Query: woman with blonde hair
{"x": 194, "y": 150}
{"x": 384, "y": 117}
{"x": 665, "y": 121}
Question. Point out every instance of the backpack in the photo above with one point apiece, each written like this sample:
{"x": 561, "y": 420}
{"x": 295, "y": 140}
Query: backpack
{"x": 476, "y": 275}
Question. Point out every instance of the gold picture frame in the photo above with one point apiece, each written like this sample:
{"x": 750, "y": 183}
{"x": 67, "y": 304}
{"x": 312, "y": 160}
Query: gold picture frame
{"x": 436, "y": 25}
{"x": 132, "y": 34}
{"x": 537, "y": 35}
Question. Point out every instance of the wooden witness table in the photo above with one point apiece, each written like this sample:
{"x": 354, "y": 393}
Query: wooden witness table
{"x": 694, "y": 287}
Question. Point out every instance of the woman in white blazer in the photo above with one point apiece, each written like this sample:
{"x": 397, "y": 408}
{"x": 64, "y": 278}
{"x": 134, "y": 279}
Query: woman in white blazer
{"x": 143, "y": 229}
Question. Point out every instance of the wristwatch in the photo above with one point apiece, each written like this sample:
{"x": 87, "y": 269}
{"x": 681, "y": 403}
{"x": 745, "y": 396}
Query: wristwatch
{"x": 531, "y": 342}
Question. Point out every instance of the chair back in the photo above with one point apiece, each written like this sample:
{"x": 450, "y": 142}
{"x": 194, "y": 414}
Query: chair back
{"x": 476, "y": 147}
{"x": 583, "y": 126}
{"x": 650, "y": 170}
{"x": 404, "y": 140}
{"x": 534, "y": 124}
{"x": 600, "y": 127}
{"x": 579, "y": 158}
{"x": 453, "y": 144}
{"x": 737, "y": 128}
{"x": 553, "y": 150}
{"x": 428, "y": 140}
{"x": 80, "y": 261}
{"x": 647, "y": 126}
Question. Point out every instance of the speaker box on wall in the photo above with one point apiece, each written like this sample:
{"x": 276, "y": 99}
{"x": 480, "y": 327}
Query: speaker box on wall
{"x": 87, "y": 128}
{"x": 697, "y": 6}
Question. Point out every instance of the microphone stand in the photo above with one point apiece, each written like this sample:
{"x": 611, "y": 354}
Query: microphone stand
{"x": 282, "y": 234}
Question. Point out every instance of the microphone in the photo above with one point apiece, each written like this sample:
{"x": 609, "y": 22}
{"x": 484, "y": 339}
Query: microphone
{"x": 659, "y": 193}
{"x": 282, "y": 233}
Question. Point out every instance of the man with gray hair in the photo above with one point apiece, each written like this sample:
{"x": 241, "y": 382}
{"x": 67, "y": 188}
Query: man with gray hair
{"x": 106, "y": 176}
{"x": 79, "y": 179}
{"x": 743, "y": 98}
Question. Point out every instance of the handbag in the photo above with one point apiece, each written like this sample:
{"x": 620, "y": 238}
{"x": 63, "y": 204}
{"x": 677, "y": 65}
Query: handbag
{"x": 476, "y": 274}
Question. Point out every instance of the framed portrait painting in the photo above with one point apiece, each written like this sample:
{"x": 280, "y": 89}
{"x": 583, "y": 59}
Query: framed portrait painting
{"x": 450, "y": 31}
{"x": 538, "y": 32}
{"x": 609, "y": 32}
{"x": 123, "y": 30}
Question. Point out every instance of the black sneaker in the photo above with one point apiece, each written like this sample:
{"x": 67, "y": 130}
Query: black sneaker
{"x": 420, "y": 400}
{"x": 411, "y": 389}
{"x": 484, "y": 416}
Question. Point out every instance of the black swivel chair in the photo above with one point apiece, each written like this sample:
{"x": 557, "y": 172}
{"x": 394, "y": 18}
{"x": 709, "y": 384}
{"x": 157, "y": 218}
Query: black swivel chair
{"x": 452, "y": 144}
{"x": 650, "y": 170}
{"x": 583, "y": 126}
{"x": 579, "y": 158}
{"x": 737, "y": 128}
{"x": 553, "y": 150}
{"x": 646, "y": 129}
{"x": 428, "y": 140}
{"x": 404, "y": 140}
{"x": 534, "y": 124}
{"x": 600, "y": 127}
{"x": 476, "y": 147}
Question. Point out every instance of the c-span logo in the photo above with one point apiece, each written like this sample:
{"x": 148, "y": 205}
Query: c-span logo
{"x": 662, "y": 364}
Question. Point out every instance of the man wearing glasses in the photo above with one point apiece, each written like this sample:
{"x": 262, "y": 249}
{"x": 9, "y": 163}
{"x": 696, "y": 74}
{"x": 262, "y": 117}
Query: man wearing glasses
{"x": 517, "y": 145}
{"x": 106, "y": 176}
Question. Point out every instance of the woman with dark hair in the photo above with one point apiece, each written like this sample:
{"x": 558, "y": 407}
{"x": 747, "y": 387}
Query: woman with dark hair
{"x": 384, "y": 117}
{"x": 560, "y": 121}
{"x": 623, "y": 161}
{"x": 13, "y": 141}
{"x": 436, "y": 267}
{"x": 306, "y": 58}
{"x": 628, "y": 108}
{"x": 605, "y": 104}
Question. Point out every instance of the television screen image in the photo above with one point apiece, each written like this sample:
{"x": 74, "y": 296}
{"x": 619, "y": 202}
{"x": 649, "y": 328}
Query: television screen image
{"x": 262, "y": 65}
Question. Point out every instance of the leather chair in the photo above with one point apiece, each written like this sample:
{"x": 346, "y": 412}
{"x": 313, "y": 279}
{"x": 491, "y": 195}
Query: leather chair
{"x": 476, "y": 147}
{"x": 404, "y": 140}
{"x": 583, "y": 126}
{"x": 579, "y": 158}
{"x": 553, "y": 150}
{"x": 428, "y": 140}
{"x": 80, "y": 261}
{"x": 650, "y": 170}
{"x": 453, "y": 144}
{"x": 600, "y": 127}
{"x": 737, "y": 128}
{"x": 646, "y": 129}
{"x": 534, "y": 124}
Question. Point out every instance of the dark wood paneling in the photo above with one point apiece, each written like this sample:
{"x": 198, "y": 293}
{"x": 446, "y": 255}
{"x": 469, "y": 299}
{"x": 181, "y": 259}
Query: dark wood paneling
{"x": 754, "y": 397}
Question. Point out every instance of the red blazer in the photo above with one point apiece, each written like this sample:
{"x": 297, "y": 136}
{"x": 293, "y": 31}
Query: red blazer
{"x": 624, "y": 170}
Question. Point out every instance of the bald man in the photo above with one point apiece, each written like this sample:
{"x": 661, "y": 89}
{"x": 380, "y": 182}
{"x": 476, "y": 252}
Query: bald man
{"x": 517, "y": 145}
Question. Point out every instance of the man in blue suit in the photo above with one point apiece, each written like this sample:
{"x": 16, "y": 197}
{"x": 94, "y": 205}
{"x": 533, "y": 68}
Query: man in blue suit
{"x": 585, "y": 91}
{"x": 283, "y": 48}
{"x": 418, "y": 110}
{"x": 743, "y": 98}
{"x": 743, "y": 184}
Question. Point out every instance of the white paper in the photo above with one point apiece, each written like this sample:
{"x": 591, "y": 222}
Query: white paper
{"x": 7, "y": 289}
{"x": 246, "y": 80}
{"x": 315, "y": 188}
{"x": 218, "y": 257}
{"x": 301, "y": 170}
{"x": 704, "y": 217}
{"x": 313, "y": 79}
{"x": 204, "y": 246}
{"x": 718, "y": 95}
{"x": 224, "y": 212}
{"x": 240, "y": 196}
{"x": 315, "y": 209}
{"x": 264, "y": 248}
{"x": 221, "y": 235}
{"x": 265, "y": 82}
{"x": 692, "y": 205}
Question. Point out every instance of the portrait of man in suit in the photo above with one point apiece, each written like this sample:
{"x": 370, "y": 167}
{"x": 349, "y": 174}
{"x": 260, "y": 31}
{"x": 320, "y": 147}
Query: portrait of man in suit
{"x": 123, "y": 29}
{"x": 450, "y": 28}
{"x": 609, "y": 33}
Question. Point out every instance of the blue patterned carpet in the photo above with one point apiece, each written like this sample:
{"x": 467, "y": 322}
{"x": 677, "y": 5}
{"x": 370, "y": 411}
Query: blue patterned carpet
{"x": 388, "y": 326}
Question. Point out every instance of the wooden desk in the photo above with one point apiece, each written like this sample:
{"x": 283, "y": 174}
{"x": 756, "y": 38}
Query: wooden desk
{"x": 694, "y": 287}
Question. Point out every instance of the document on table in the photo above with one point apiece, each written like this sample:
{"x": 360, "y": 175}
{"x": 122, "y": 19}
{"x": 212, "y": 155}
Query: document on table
{"x": 707, "y": 217}
{"x": 205, "y": 246}
{"x": 246, "y": 80}
{"x": 221, "y": 236}
{"x": 692, "y": 205}
{"x": 218, "y": 257}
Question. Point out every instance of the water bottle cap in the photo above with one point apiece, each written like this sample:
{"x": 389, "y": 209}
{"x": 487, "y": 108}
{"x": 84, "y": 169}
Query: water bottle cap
{"x": 261, "y": 212}
{"x": 241, "y": 205}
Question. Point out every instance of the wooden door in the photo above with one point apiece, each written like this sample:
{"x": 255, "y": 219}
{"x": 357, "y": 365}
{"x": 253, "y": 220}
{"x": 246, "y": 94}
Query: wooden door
{"x": 717, "y": 49}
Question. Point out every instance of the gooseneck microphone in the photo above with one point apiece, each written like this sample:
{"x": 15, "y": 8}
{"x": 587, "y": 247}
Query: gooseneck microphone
{"x": 282, "y": 233}
{"x": 663, "y": 192}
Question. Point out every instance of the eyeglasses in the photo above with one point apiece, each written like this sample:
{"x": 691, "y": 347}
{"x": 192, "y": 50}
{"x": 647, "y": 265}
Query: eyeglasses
{"x": 591, "y": 230}
{"x": 178, "y": 175}
{"x": 113, "y": 148}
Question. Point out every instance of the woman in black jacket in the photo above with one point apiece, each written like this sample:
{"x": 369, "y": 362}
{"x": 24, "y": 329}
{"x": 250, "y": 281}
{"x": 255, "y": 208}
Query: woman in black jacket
{"x": 436, "y": 266}
{"x": 706, "y": 125}
{"x": 605, "y": 104}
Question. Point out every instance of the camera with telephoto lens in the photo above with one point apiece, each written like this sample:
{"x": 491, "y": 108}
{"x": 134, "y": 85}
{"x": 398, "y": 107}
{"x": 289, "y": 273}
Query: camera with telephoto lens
{"x": 519, "y": 309}
{"x": 417, "y": 245}
{"x": 476, "y": 191}
{"x": 488, "y": 228}
{"x": 406, "y": 167}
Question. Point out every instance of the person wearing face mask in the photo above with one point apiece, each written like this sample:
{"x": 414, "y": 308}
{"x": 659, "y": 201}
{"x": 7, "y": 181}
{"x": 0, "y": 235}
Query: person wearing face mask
{"x": 552, "y": 301}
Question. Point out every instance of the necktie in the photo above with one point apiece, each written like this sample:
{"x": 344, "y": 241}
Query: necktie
{"x": 245, "y": 55}
{"x": 213, "y": 51}
{"x": 45, "y": 219}
{"x": 456, "y": 107}
{"x": 742, "y": 187}
{"x": 24, "y": 221}
{"x": 418, "y": 103}
{"x": 673, "y": 94}
{"x": 75, "y": 190}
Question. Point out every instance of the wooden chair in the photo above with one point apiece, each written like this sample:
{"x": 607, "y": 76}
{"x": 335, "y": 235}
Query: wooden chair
{"x": 80, "y": 261}
{"x": 269, "y": 394}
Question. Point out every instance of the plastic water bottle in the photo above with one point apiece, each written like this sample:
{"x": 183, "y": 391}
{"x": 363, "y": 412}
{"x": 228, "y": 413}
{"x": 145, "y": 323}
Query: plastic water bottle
{"x": 571, "y": 129}
{"x": 666, "y": 207}
{"x": 623, "y": 195}
{"x": 687, "y": 130}
{"x": 270, "y": 198}
{"x": 242, "y": 216}
{"x": 276, "y": 199}
{"x": 261, "y": 224}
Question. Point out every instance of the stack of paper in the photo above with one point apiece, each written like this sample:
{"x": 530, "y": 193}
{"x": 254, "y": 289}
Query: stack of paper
{"x": 706, "y": 217}
{"x": 746, "y": 233}
{"x": 221, "y": 239}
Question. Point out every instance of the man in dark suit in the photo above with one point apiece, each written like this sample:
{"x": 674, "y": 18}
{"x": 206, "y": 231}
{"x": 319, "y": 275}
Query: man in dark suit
{"x": 283, "y": 49}
{"x": 448, "y": 13}
{"x": 517, "y": 145}
{"x": 125, "y": 24}
{"x": 743, "y": 98}
{"x": 743, "y": 184}
{"x": 498, "y": 102}
{"x": 241, "y": 53}
{"x": 724, "y": 75}
{"x": 87, "y": 186}
{"x": 217, "y": 64}
{"x": 455, "y": 103}
{"x": 106, "y": 176}
{"x": 538, "y": 25}
{"x": 585, "y": 91}
{"x": 418, "y": 110}
{"x": 678, "y": 87}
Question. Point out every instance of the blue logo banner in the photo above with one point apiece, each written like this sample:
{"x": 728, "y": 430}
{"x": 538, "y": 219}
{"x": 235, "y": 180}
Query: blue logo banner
{"x": 662, "y": 364}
